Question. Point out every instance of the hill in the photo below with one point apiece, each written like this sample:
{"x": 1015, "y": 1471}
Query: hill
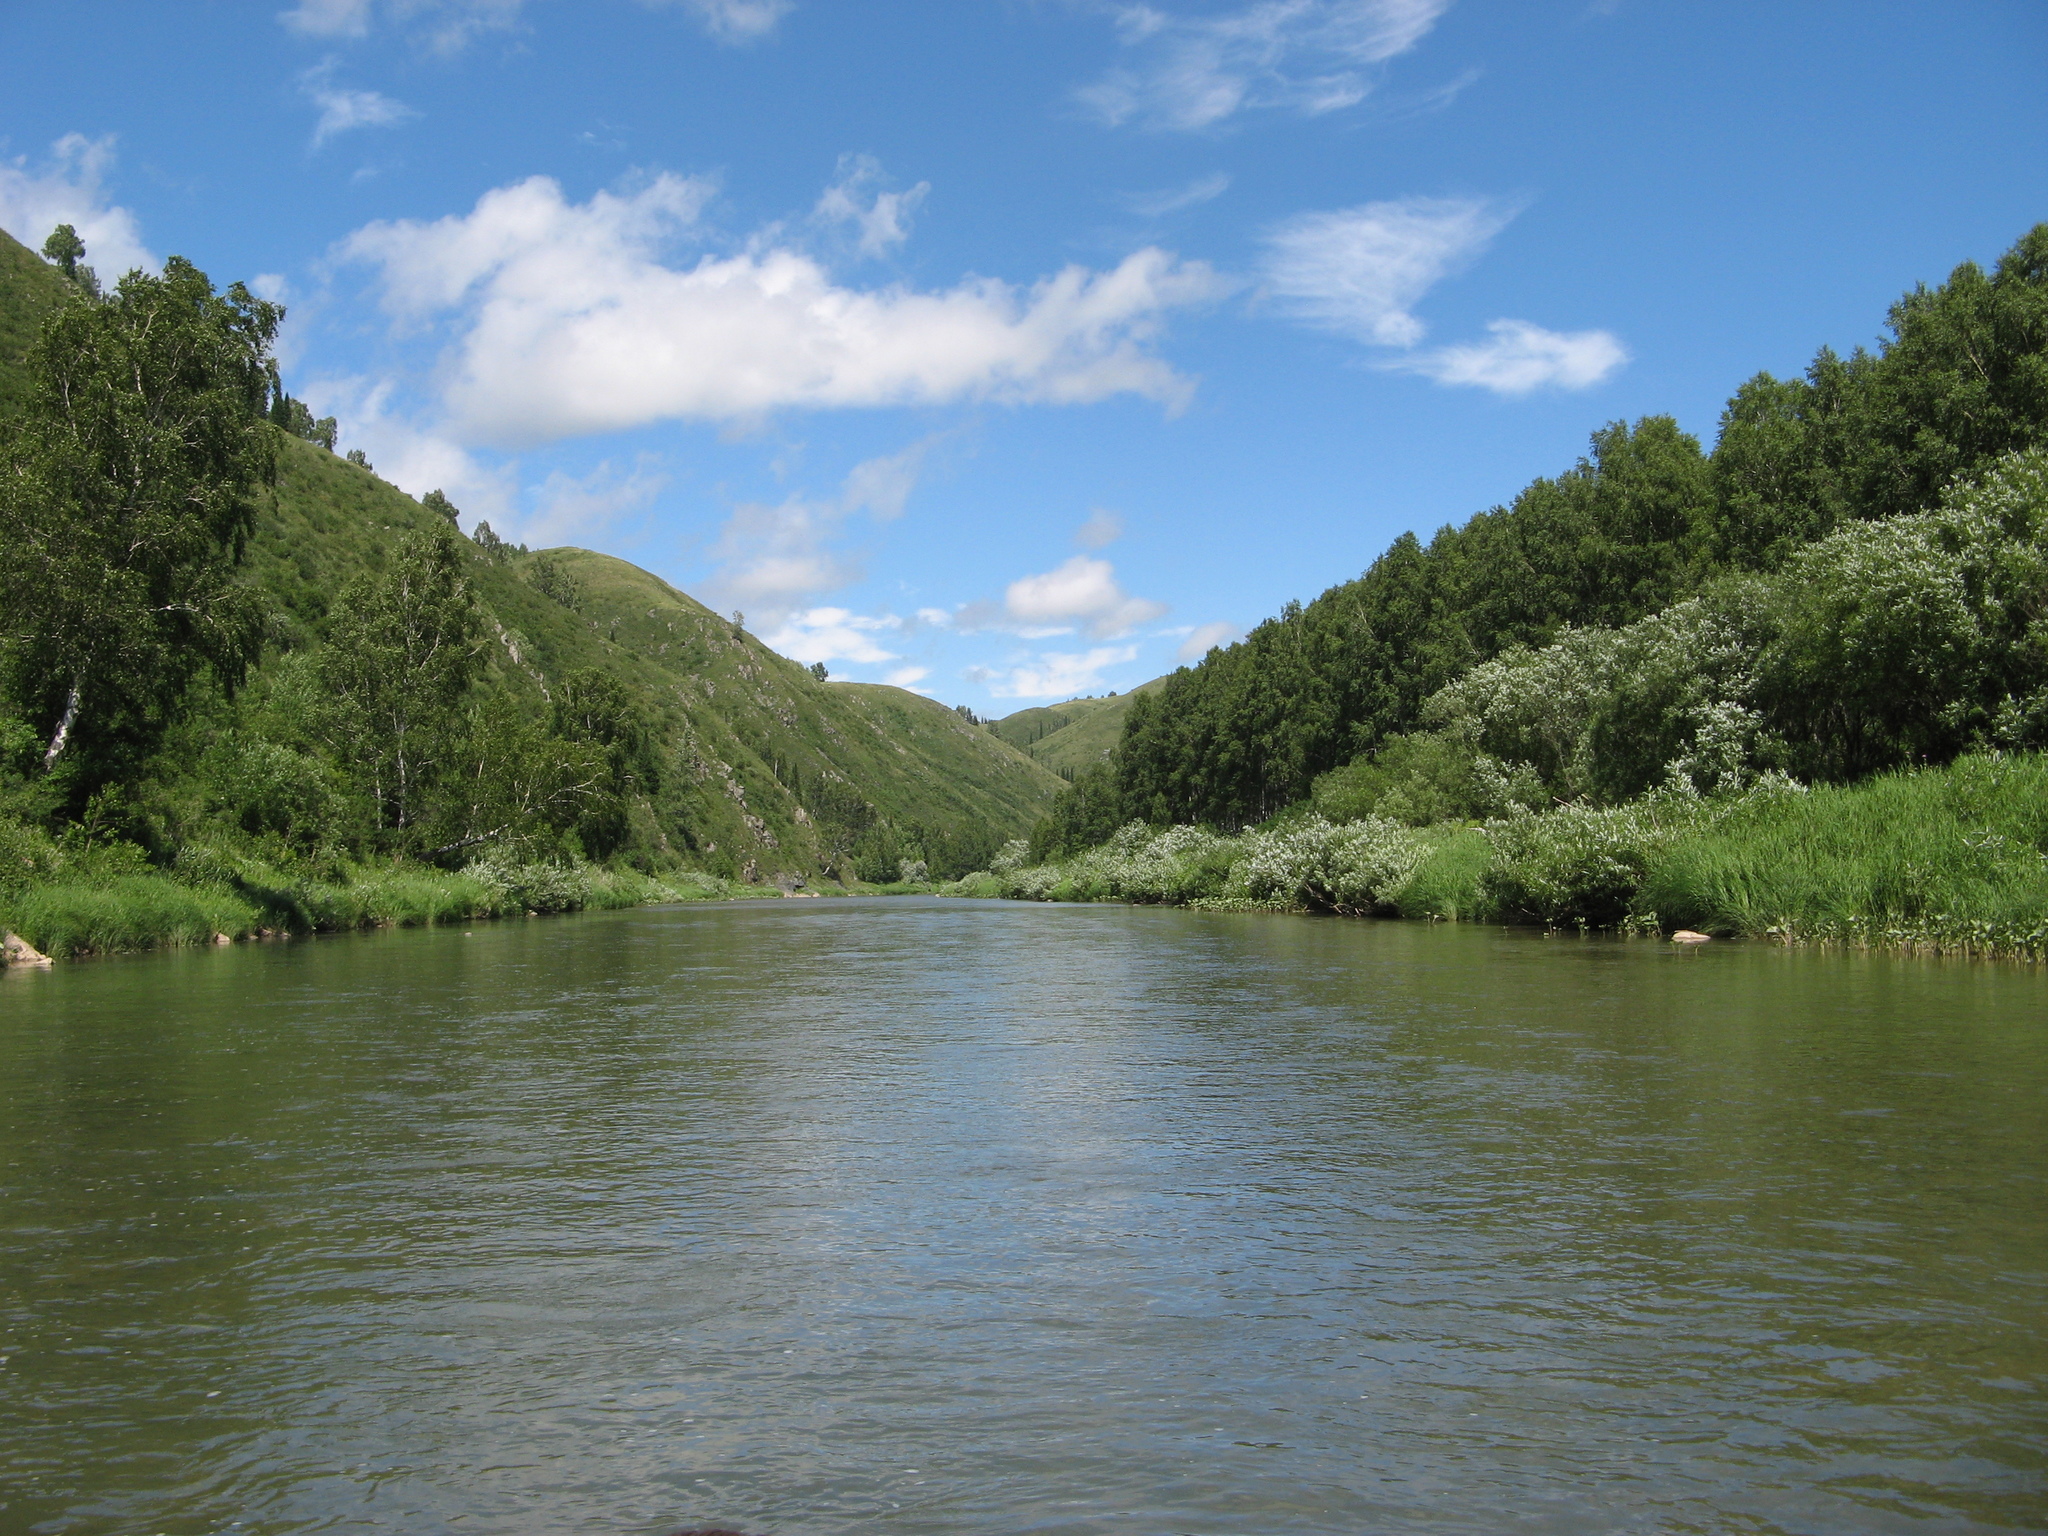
{"x": 764, "y": 770}
{"x": 1074, "y": 735}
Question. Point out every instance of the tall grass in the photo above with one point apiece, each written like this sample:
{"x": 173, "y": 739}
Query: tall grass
{"x": 1945, "y": 859}
{"x": 72, "y": 899}
{"x": 1951, "y": 859}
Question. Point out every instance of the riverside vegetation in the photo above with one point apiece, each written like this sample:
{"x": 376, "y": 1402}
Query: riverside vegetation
{"x": 247, "y": 685}
{"x": 1796, "y": 686}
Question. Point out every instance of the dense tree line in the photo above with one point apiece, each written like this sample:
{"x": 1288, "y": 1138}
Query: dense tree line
{"x": 1644, "y": 521}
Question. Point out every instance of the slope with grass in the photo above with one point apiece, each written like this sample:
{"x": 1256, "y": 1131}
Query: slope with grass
{"x": 1075, "y": 735}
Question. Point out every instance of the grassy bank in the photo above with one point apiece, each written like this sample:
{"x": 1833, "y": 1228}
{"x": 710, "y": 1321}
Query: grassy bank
{"x": 1941, "y": 860}
{"x": 80, "y": 899}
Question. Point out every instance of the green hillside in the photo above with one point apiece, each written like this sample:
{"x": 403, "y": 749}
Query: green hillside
{"x": 1077, "y": 734}
{"x": 780, "y": 773}
{"x": 764, "y": 770}
{"x": 29, "y": 289}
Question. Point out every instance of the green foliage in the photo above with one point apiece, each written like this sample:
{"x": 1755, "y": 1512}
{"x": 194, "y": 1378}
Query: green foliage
{"x": 1643, "y": 522}
{"x": 126, "y": 496}
{"x": 401, "y": 652}
{"x": 548, "y": 577}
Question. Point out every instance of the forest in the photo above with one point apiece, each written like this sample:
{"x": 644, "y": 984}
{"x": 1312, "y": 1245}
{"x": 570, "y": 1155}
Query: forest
{"x": 246, "y": 684}
{"x": 1852, "y": 583}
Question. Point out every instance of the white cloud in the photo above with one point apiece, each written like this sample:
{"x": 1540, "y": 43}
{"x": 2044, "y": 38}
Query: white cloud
{"x": 568, "y": 321}
{"x": 67, "y": 190}
{"x": 1311, "y": 56}
{"x": 329, "y": 18}
{"x": 1156, "y": 205}
{"x": 938, "y": 617}
{"x": 1055, "y": 674}
{"x": 908, "y": 677}
{"x": 884, "y": 220}
{"x": 1522, "y": 357}
{"x": 342, "y": 109}
{"x": 836, "y": 634}
{"x": 1102, "y": 529}
{"x": 1361, "y": 270}
{"x": 1201, "y": 640}
{"x": 1082, "y": 592}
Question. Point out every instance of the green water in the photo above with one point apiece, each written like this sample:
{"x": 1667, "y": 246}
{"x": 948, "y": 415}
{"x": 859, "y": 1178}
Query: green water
{"x": 947, "y": 1217}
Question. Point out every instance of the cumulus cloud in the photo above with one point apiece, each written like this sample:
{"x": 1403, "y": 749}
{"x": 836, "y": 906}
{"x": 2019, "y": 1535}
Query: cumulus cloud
{"x": 1156, "y": 205}
{"x": 1202, "y": 640}
{"x": 1081, "y": 593}
{"x": 880, "y": 219}
{"x": 1309, "y": 56}
{"x": 1055, "y": 674}
{"x": 67, "y": 189}
{"x": 1360, "y": 271}
{"x": 571, "y": 508}
{"x": 568, "y": 321}
{"x": 342, "y": 109}
{"x": 836, "y": 634}
{"x": 1519, "y": 357}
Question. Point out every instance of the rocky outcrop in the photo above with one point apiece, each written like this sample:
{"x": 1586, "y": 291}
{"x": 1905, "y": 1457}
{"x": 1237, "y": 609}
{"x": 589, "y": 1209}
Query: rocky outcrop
{"x": 15, "y": 950}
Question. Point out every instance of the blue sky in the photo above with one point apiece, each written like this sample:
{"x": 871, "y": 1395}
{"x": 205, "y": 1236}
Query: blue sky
{"x": 1016, "y": 349}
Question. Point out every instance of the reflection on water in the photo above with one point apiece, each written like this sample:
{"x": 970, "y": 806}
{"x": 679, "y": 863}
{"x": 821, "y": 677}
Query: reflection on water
{"x": 943, "y": 1217}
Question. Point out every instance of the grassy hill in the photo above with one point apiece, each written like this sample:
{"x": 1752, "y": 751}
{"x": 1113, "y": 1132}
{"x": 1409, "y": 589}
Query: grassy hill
{"x": 1077, "y": 734}
{"x": 767, "y": 771}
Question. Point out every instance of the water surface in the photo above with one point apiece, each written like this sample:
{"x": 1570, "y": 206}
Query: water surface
{"x": 945, "y": 1217}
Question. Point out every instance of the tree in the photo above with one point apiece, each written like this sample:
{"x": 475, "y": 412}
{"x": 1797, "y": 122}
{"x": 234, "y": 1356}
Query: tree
{"x": 402, "y": 651}
{"x": 65, "y": 248}
{"x": 820, "y": 671}
{"x": 438, "y": 504}
{"x": 126, "y": 496}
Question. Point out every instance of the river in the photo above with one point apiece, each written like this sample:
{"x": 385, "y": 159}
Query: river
{"x": 919, "y": 1216}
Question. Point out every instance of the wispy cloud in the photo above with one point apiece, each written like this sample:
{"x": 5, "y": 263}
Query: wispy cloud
{"x": 445, "y": 26}
{"x": 1362, "y": 271}
{"x": 342, "y": 109}
{"x": 448, "y": 26}
{"x": 773, "y": 558}
{"x": 564, "y": 319}
{"x": 1102, "y": 529}
{"x": 1156, "y": 205}
{"x": 735, "y": 21}
{"x": 1055, "y": 674}
{"x": 1204, "y": 638}
{"x": 1308, "y": 56}
{"x": 880, "y": 219}
{"x": 67, "y": 188}
{"x": 1519, "y": 357}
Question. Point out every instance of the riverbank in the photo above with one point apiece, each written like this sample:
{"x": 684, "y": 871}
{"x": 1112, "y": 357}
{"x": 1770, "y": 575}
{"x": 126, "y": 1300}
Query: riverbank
{"x": 1950, "y": 860}
{"x": 76, "y": 899}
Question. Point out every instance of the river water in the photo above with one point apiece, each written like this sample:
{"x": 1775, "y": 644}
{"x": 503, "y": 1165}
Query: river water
{"x": 914, "y": 1216}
